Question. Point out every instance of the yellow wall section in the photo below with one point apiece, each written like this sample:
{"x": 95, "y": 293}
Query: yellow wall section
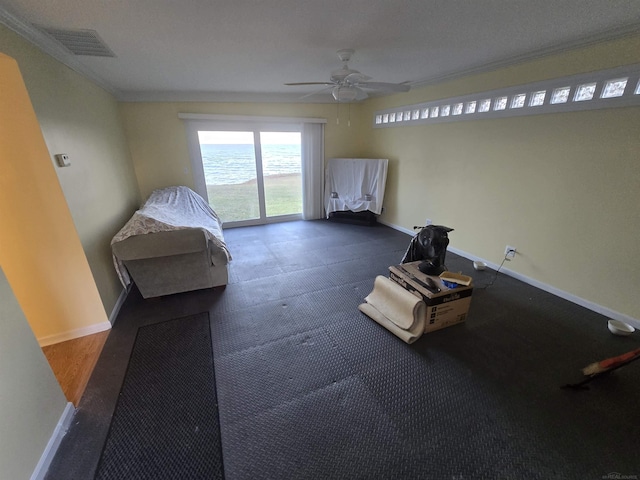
{"x": 40, "y": 251}
{"x": 81, "y": 119}
{"x": 562, "y": 188}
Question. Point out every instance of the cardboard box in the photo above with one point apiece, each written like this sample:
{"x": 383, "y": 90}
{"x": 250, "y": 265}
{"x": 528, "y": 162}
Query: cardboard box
{"x": 448, "y": 307}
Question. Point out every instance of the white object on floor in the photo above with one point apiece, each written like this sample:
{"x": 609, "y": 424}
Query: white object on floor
{"x": 478, "y": 265}
{"x": 620, "y": 328}
{"x": 355, "y": 184}
{"x": 396, "y": 309}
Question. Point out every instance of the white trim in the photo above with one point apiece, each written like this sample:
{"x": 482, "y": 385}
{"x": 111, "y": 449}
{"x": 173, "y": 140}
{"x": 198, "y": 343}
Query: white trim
{"x": 607, "y": 36}
{"x": 605, "y": 311}
{"x": 116, "y": 308}
{"x": 71, "y": 334}
{"x": 54, "y": 442}
{"x": 263, "y": 221}
{"x": 49, "y": 46}
{"x": 248, "y": 118}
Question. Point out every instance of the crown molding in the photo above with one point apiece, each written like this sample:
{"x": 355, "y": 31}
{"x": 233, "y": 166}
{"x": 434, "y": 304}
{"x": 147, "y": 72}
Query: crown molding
{"x": 218, "y": 97}
{"x": 51, "y": 48}
{"x": 606, "y": 36}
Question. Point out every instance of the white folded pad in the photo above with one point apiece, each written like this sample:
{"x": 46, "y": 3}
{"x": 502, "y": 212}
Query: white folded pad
{"x": 396, "y": 309}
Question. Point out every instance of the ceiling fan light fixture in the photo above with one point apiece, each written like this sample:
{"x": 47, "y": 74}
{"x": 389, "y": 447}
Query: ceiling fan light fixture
{"x": 344, "y": 94}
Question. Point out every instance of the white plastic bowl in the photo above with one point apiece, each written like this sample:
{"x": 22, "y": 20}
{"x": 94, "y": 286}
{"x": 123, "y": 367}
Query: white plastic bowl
{"x": 620, "y": 328}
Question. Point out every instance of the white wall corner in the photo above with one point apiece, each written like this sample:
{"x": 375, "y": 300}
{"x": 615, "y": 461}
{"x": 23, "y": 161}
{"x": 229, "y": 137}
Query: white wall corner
{"x": 54, "y": 442}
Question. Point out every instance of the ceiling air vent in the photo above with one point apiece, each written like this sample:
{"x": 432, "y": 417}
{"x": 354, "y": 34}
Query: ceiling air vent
{"x": 80, "y": 42}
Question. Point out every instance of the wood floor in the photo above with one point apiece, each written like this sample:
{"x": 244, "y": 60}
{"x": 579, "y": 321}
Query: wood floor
{"x": 73, "y": 361}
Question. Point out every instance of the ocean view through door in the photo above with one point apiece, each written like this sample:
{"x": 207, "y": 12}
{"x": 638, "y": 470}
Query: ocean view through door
{"x": 252, "y": 177}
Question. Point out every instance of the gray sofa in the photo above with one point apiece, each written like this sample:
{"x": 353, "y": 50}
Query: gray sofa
{"x": 173, "y": 244}
{"x": 164, "y": 263}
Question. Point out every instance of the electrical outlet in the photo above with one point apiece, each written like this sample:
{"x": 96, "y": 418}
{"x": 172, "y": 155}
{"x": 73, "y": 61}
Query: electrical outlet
{"x": 428, "y": 221}
{"x": 510, "y": 252}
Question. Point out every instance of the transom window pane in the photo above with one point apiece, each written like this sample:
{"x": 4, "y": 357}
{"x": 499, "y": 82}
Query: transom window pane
{"x": 457, "y": 109}
{"x": 537, "y": 98}
{"x": 585, "y": 92}
{"x": 485, "y": 105}
{"x": 501, "y": 103}
{"x": 614, "y": 88}
{"x": 471, "y": 107}
{"x": 445, "y": 110}
{"x": 518, "y": 100}
{"x": 434, "y": 111}
{"x": 560, "y": 95}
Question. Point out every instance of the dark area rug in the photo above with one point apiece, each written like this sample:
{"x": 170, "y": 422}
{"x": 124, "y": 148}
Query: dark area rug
{"x": 166, "y": 421}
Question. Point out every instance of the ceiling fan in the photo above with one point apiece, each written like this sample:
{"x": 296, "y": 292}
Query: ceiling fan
{"x": 348, "y": 85}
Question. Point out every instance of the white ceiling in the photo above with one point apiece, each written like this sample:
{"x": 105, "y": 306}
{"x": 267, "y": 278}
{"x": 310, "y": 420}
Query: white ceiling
{"x": 247, "y": 49}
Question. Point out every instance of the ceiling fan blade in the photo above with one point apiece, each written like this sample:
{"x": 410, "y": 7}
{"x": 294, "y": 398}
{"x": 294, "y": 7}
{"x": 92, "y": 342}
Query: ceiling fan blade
{"x": 386, "y": 87}
{"x": 361, "y": 94}
{"x": 310, "y": 83}
{"x": 322, "y": 90}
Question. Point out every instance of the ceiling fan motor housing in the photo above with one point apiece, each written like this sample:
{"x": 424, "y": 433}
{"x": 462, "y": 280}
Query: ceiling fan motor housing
{"x": 345, "y": 54}
{"x": 339, "y": 76}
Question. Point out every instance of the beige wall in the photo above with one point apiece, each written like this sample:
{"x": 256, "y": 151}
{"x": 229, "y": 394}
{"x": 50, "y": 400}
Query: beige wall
{"x": 31, "y": 402}
{"x": 81, "y": 119}
{"x": 561, "y": 188}
{"x": 158, "y": 141}
{"x": 558, "y": 187}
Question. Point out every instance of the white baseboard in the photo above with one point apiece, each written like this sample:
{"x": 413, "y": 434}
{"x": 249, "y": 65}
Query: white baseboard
{"x": 607, "y": 312}
{"x": 54, "y": 442}
{"x": 71, "y": 334}
{"x": 88, "y": 330}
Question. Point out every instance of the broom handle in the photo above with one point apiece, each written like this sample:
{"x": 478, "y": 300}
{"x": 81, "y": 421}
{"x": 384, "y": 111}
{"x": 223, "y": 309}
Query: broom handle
{"x": 624, "y": 358}
{"x": 629, "y": 357}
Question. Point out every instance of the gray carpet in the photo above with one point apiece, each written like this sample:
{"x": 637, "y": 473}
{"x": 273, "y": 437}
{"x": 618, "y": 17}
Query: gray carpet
{"x": 311, "y": 388}
{"x": 308, "y": 387}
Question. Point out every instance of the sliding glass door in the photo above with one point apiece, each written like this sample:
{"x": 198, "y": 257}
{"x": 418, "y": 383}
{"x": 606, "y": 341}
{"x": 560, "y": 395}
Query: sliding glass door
{"x": 254, "y": 169}
{"x": 230, "y": 172}
{"x": 252, "y": 176}
{"x": 281, "y": 173}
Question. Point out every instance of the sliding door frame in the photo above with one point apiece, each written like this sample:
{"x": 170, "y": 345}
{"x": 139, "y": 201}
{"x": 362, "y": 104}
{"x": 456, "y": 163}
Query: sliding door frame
{"x": 195, "y": 122}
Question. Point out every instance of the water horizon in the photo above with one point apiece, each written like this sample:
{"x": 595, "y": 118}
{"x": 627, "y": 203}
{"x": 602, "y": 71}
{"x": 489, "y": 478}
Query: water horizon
{"x": 235, "y": 163}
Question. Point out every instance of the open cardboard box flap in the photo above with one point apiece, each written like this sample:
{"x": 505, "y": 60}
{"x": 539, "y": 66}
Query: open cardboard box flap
{"x": 456, "y": 278}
